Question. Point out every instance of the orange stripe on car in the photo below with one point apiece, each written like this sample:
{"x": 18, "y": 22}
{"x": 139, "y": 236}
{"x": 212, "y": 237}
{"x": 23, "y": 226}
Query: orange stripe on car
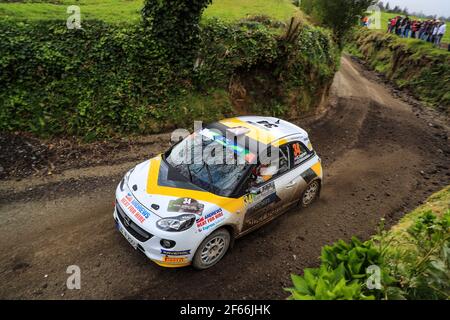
{"x": 317, "y": 168}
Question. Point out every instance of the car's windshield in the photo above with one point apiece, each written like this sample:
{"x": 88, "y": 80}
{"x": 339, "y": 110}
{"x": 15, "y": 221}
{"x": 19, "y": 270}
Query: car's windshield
{"x": 211, "y": 161}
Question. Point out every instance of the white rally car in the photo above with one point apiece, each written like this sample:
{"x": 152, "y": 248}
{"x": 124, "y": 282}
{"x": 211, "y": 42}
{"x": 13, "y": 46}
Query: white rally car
{"x": 187, "y": 206}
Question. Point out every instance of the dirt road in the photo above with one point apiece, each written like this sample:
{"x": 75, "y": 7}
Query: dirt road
{"x": 381, "y": 158}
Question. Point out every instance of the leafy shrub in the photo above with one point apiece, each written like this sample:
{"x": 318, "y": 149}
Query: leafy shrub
{"x": 175, "y": 26}
{"x": 413, "y": 259}
{"x": 106, "y": 80}
{"x": 421, "y": 259}
{"x": 342, "y": 273}
{"x": 326, "y": 284}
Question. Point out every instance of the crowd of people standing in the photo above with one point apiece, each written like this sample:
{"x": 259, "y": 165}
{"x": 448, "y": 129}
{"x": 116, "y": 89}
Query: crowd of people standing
{"x": 431, "y": 30}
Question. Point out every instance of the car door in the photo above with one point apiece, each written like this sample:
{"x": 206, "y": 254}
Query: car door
{"x": 267, "y": 200}
{"x": 300, "y": 163}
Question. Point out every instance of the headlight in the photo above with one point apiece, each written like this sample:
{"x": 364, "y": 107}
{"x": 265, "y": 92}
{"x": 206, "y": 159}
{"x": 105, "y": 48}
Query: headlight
{"x": 125, "y": 179}
{"x": 176, "y": 224}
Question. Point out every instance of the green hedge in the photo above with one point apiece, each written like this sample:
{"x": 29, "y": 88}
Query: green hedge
{"x": 107, "y": 79}
{"x": 412, "y": 64}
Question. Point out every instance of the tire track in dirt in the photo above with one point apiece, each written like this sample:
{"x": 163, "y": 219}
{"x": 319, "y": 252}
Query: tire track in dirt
{"x": 380, "y": 160}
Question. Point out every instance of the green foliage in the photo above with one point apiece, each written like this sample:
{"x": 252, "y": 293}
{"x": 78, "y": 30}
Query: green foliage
{"x": 412, "y": 64}
{"x": 106, "y": 80}
{"x": 307, "y": 6}
{"x": 175, "y": 26}
{"x": 325, "y": 284}
{"x": 413, "y": 259}
{"x": 421, "y": 260}
{"x": 355, "y": 256}
{"x": 339, "y": 15}
{"x": 341, "y": 275}
{"x": 95, "y": 81}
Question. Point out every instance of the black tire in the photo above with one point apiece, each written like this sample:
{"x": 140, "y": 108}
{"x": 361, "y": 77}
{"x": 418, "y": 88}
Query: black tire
{"x": 221, "y": 239}
{"x": 310, "y": 194}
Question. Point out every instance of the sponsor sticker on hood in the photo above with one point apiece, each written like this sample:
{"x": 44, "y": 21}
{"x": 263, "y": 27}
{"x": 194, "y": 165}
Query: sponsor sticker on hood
{"x": 186, "y": 205}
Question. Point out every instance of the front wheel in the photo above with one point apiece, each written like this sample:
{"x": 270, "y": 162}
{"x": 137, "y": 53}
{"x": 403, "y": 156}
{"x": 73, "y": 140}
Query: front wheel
{"x": 310, "y": 194}
{"x": 212, "y": 249}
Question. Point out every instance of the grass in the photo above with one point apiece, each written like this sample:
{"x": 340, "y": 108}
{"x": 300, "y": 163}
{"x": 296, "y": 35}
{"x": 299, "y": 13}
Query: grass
{"x": 231, "y": 10}
{"x": 438, "y": 203}
{"x": 117, "y": 11}
{"x": 385, "y": 16}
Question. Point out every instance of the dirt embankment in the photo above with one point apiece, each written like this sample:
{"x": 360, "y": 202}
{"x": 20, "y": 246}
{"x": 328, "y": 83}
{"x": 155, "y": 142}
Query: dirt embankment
{"x": 381, "y": 158}
{"x": 413, "y": 65}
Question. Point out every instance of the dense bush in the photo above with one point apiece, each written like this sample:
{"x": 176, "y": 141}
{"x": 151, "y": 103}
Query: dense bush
{"x": 111, "y": 79}
{"x": 339, "y": 15}
{"x": 342, "y": 273}
{"x": 413, "y": 260}
{"x": 412, "y": 64}
{"x": 175, "y": 26}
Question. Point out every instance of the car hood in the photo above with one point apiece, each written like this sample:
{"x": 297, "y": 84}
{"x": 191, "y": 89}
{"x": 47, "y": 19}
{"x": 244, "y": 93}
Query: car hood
{"x": 165, "y": 193}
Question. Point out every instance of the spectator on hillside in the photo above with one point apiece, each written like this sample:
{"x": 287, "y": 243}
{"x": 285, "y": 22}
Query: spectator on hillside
{"x": 436, "y": 26}
{"x": 424, "y": 30}
{"x": 393, "y": 24}
{"x": 421, "y": 29}
{"x": 415, "y": 28}
{"x": 365, "y": 21}
{"x": 440, "y": 34}
{"x": 398, "y": 24}
{"x": 406, "y": 27}
{"x": 429, "y": 31}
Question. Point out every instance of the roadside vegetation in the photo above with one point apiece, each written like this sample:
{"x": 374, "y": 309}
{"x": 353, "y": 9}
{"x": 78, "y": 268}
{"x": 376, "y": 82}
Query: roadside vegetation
{"x": 117, "y": 79}
{"x": 339, "y": 15}
{"x": 412, "y": 261}
{"x": 411, "y": 64}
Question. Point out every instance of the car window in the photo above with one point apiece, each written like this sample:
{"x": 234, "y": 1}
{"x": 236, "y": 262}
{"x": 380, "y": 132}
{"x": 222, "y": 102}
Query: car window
{"x": 220, "y": 176}
{"x": 284, "y": 160}
{"x": 258, "y": 176}
{"x": 299, "y": 153}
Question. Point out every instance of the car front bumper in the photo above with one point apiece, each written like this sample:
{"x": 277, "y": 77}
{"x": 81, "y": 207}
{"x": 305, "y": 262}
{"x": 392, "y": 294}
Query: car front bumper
{"x": 179, "y": 255}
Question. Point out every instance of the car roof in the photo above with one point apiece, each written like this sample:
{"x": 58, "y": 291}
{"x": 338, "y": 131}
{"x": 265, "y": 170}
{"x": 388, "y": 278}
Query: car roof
{"x": 267, "y": 129}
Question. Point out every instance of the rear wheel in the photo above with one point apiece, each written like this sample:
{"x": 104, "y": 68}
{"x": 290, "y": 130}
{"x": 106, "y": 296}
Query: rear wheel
{"x": 212, "y": 249}
{"x": 310, "y": 194}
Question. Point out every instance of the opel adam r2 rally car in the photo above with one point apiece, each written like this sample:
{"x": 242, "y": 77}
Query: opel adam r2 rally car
{"x": 181, "y": 208}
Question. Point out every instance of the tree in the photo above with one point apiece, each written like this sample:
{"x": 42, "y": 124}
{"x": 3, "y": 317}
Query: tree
{"x": 397, "y": 9}
{"x": 341, "y": 15}
{"x": 387, "y": 7}
{"x": 307, "y": 6}
{"x": 381, "y": 5}
{"x": 175, "y": 26}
